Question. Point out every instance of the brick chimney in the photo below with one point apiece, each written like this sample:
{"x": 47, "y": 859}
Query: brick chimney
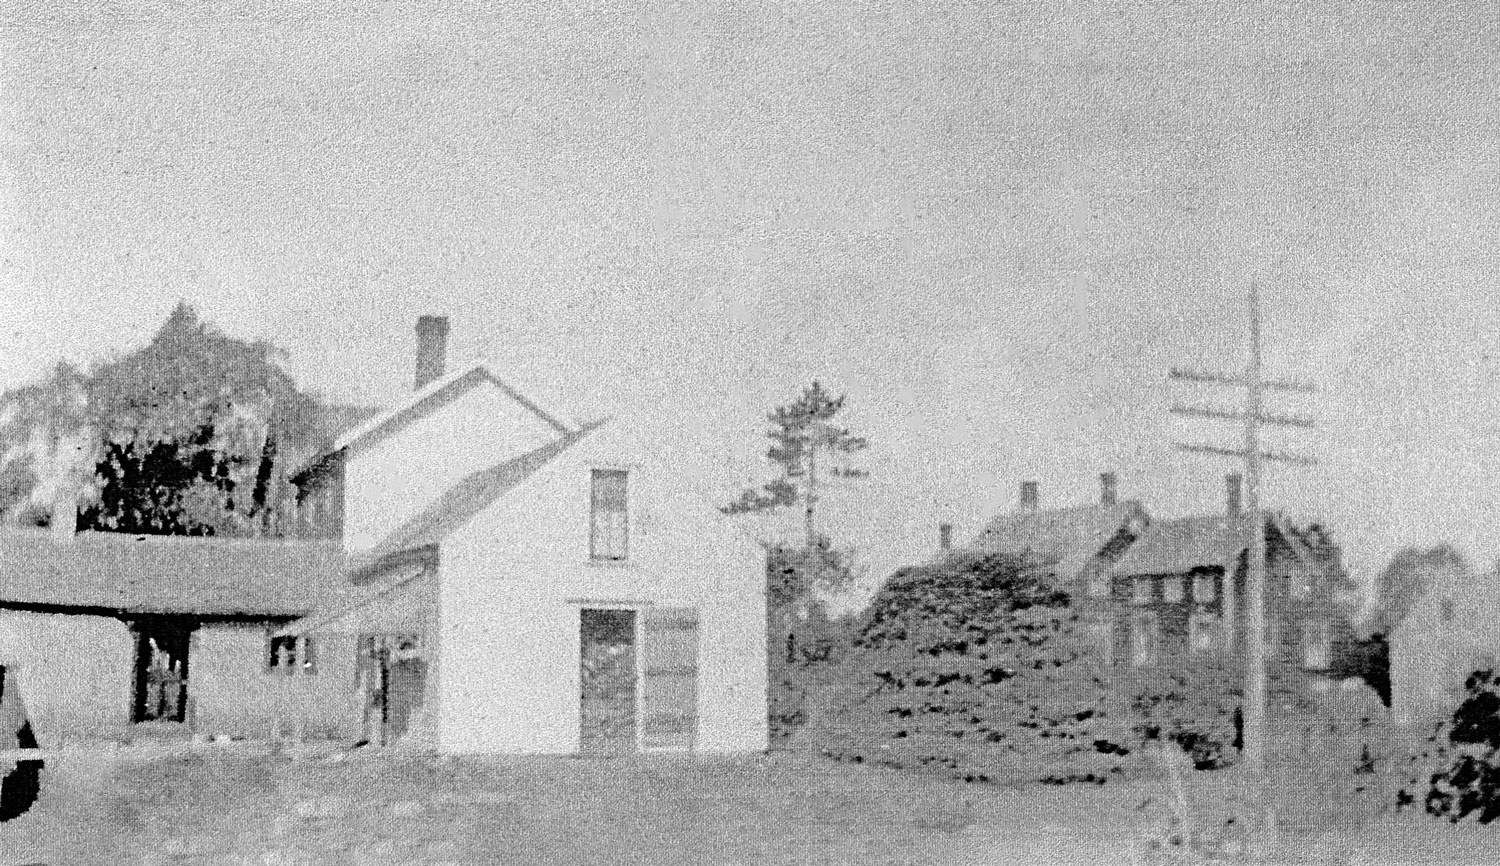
{"x": 432, "y": 348}
{"x": 1108, "y": 483}
{"x": 945, "y": 536}
{"x": 1233, "y": 486}
{"x": 1029, "y": 496}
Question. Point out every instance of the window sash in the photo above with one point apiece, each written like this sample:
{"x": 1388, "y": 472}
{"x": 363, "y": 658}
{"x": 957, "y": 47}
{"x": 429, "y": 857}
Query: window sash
{"x": 609, "y": 524}
{"x": 291, "y": 655}
{"x": 1144, "y": 638}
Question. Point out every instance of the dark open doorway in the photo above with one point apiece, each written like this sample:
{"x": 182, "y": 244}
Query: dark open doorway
{"x": 392, "y": 680}
{"x": 161, "y": 669}
{"x": 608, "y": 677}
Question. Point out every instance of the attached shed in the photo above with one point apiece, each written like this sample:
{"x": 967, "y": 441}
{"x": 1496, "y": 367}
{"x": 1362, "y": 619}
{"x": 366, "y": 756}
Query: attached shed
{"x": 103, "y": 631}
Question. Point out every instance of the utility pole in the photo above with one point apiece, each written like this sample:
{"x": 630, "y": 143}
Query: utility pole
{"x": 1254, "y": 735}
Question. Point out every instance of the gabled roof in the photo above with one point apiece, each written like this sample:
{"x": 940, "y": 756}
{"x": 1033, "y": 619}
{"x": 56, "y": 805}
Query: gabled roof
{"x": 1072, "y": 536}
{"x": 1179, "y": 545}
{"x": 438, "y": 393}
{"x": 465, "y": 499}
{"x": 115, "y": 572}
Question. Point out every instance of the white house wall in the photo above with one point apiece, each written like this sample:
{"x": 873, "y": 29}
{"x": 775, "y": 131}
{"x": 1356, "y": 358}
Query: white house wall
{"x": 234, "y": 693}
{"x": 392, "y": 479}
{"x": 515, "y": 577}
{"x": 74, "y": 673}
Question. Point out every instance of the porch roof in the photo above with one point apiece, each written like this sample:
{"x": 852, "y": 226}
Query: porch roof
{"x": 170, "y": 575}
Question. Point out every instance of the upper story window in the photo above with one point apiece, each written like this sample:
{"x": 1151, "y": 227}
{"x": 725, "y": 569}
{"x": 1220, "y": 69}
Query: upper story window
{"x": 609, "y": 524}
{"x": 1143, "y": 590}
{"x": 1301, "y": 579}
{"x": 1171, "y": 589}
{"x": 1203, "y": 588}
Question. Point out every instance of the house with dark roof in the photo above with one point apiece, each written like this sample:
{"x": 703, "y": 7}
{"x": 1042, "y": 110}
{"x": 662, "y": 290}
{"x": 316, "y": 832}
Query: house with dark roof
{"x": 523, "y": 583}
{"x": 1159, "y": 593}
{"x": 1179, "y": 596}
{"x": 1077, "y": 543}
{"x": 101, "y": 631}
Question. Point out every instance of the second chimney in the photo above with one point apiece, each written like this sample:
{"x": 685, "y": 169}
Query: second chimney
{"x": 945, "y": 536}
{"x": 432, "y": 348}
{"x": 1107, "y": 488}
{"x": 1233, "y": 485}
{"x": 1029, "y": 496}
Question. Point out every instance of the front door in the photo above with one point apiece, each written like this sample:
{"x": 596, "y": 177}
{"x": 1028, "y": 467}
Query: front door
{"x": 607, "y": 674}
{"x": 392, "y": 678}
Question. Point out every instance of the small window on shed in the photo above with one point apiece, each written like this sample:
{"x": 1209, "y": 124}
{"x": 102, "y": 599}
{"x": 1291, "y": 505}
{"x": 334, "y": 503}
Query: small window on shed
{"x": 609, "y": 527}
{"x": 286, "y": 654}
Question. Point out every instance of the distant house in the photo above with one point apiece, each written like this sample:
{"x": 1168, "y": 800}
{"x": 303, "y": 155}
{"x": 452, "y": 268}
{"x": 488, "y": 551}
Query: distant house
{"x": 1452, "y": 629}
{"x": 1079, "y": 544}
{"x": 100, "y": 631}
{"x": 1158, "y": 593}
{"x": 475, "y": 573}
{"x": 528, "y": 584}
{"x": 1179, "y": 596}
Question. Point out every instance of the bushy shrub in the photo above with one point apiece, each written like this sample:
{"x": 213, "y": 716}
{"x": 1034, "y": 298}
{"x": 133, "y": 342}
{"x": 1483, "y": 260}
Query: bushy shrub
{"x": 1195, "y": 706}
{"x": 973, "y": 667}
{"x": 1463, "y": 754}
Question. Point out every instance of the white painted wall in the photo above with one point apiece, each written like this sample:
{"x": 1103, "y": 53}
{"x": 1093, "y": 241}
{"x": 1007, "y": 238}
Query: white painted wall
{"x": 1432, "y": 656}
{"x": 511, "y": 581}
{"x": 74, "y": 673}
{"x": 391, "y": 480}
{"x": 233, "y": 692}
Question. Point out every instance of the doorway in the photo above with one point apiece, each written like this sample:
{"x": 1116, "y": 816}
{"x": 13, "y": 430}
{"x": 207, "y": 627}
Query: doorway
{"x": 392, "y": 678}
{"x": 608, "y": 681}
{"x": 161, "y": 669}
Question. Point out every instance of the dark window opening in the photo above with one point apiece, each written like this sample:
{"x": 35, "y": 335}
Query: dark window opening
{"x": 609, "y": 527}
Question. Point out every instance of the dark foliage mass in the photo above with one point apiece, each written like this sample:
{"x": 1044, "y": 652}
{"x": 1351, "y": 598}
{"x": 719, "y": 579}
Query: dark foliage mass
{"x": 195, "y": 433}
{"x": 1467, "y": 779}
{"x": 973, "y": 667}
{"x": 804, "y": 644}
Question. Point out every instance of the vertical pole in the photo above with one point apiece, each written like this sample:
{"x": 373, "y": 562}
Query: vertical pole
{"x": 1255, "y": 739}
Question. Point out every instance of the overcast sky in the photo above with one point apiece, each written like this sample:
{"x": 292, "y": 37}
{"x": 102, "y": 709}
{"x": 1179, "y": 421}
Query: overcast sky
{"x": 995, "y": 226}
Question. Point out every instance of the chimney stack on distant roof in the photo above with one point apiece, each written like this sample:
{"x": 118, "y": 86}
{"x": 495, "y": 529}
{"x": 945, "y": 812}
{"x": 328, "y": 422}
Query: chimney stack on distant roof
{"x": 432, "y": 348}
{"x": 1030, "y": 498}
{"x": 1108, "y": 483}
{"x": 945, "y": 536}
{"x": 1233, "y": 485}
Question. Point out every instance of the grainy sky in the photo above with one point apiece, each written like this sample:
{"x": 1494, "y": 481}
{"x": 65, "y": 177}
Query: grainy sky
{"x": 995, "y": 225}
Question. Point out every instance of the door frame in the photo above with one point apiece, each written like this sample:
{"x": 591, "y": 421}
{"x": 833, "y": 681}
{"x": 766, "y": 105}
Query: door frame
{"x": 637, "y": 635}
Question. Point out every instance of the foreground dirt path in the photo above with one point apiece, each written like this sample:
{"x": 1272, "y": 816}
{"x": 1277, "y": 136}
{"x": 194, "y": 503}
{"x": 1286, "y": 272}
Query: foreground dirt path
{"x": 220, "y": 807}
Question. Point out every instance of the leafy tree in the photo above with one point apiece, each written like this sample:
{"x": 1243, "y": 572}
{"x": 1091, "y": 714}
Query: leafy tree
{"x": 1409, "y": 574}
{"x": 45, "y": 442}
{"x": 196, "y": 430}
{"x": 803, "y": 640}
{"x": 804, "y": 432}
{"x": 193, "y": 434}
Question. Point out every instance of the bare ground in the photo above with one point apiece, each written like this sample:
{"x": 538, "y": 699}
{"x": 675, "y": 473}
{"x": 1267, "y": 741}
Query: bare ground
{"x": 239, "y": 807}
